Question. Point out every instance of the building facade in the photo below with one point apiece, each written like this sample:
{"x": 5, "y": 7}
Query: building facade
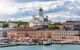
{"x": 13, "y": 24}
{"x": 18, "y": 33}
{"x": 65, "y": 35}
{"x": 57, "y": 36}
{"x": 40, "y": 20}
{"x": 3, "y": 33}
{"x": 70, "y": 25}
{"x": 28, "y": 32}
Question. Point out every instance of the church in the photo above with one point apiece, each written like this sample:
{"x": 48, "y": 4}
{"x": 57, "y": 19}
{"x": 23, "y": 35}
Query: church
{"x": 39, "y": 21}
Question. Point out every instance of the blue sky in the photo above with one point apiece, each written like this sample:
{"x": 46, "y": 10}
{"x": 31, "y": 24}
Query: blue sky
{"x": 23, "y": 10}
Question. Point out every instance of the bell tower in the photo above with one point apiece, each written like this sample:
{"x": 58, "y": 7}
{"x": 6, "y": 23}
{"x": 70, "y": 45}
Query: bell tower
{"x": 41, "y": 12}
{"x": 41, "y": 15}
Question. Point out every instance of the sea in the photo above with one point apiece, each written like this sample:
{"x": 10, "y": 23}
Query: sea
{"x": 43, "y": 47}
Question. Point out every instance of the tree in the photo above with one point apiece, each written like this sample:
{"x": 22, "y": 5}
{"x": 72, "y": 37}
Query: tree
{"x": 23, "y": 23}
{"x": 5, "y": 25}
{"x": 52, "y": 26}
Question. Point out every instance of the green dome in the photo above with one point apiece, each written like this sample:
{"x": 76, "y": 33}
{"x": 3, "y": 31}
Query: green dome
{"x": 40, "y": 9}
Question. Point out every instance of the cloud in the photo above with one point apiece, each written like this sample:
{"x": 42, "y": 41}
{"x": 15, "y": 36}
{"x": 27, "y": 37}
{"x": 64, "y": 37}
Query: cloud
{"x": 21, "y": 1}
{"x": 55, "y": 9}
{"x": 62, "y": 17}
{"x": 1, "y": 1}
{"x": 25, "y": 18}
{"x": 30, "y": 8}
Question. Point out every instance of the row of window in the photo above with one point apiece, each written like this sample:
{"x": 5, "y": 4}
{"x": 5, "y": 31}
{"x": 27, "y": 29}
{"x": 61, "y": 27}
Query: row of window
{"x": 63, "y": 35}
{"x": 65, "y": 38}
{"x": 71, "y": 32}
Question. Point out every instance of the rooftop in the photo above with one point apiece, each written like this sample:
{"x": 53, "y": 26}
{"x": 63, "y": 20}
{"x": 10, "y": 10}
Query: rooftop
{"x": 74, "y": 21}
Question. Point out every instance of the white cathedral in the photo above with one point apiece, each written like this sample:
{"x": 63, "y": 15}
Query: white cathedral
{"x": 39, "y": 21}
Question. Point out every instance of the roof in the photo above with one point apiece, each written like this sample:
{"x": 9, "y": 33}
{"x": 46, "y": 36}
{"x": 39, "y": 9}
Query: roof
{"x": 74, "y": 21}
{"x": 2, "y": 21}
{"x": 10, "y": 21}
{"x": 40, "y": 9}
{"x": 22, "y": 29}
{"x": 26, "y": 29}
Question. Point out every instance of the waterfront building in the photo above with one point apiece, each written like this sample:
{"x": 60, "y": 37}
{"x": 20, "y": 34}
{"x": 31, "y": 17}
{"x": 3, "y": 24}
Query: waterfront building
{"x": 20, "y": 33}
{"x": 55, "y": 35}
{"x": 12, "y": 33}
{"x": 28, "y": 32}
{"x": 65, "y": 35}
{"x": 43, "y": 34}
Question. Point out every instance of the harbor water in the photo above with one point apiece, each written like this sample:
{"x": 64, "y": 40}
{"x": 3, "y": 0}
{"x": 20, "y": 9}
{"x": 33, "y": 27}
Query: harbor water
{"x": 43, "y": 47}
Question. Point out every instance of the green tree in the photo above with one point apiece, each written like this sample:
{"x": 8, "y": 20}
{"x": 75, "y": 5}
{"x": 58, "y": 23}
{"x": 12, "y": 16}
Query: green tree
{"x": 22, "y": 23}
{"x": 5, "y": 25}
{"x": 52, "y": 26}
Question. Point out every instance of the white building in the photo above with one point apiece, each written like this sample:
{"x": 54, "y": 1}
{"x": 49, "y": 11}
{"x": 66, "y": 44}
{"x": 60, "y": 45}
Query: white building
{"x": 39, "y": 21}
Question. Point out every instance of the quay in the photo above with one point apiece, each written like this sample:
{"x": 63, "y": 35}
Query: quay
{"x": 7, "y": 45}
{"x": 42, "y": 41}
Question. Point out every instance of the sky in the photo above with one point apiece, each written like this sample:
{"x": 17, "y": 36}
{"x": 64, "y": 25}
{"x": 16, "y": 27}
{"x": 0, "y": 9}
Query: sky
{"x": 23, "y": 10}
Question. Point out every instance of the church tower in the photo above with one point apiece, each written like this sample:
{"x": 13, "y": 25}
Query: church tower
{"x": 41, "y": 15}
{"x": 41, "y": 12}
{"x": 46, "y": 19}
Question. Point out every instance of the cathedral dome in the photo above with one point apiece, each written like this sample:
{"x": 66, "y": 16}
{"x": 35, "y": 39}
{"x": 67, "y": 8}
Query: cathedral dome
{"x": 40, "y": 9}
